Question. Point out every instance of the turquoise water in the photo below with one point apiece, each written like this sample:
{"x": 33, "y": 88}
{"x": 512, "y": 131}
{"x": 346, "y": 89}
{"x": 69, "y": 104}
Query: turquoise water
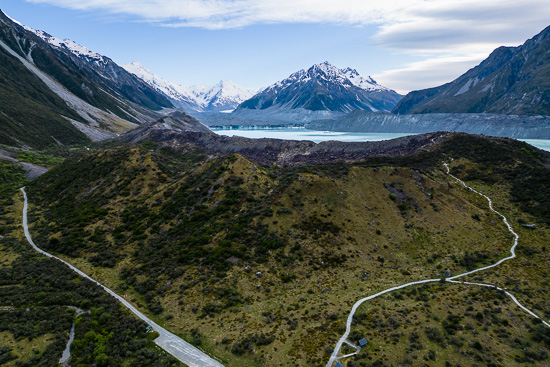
{"x": 319, "y": 136}
{"x": 305, "y": 134}
{"x": 539, "y": 143}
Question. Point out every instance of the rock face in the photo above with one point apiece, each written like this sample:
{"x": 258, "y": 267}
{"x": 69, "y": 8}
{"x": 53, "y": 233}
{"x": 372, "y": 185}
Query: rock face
{"x": 529, "y": 226}
{"x": 512, "y": 80}
{"x": 324, "y": 87}
{"x": 178, "y": 122}
{"x": 512, "y": 126}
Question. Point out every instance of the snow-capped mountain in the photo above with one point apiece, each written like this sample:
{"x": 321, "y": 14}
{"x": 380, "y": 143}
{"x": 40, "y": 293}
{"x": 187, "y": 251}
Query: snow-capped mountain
{"x": 180, "y": 96}
{"x": 224, "y": 96}
{"x": 324, "y": 87}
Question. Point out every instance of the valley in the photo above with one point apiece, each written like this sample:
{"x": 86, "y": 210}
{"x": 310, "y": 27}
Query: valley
{"x": 273, "y": 258}
{"x": 141, "y": 225}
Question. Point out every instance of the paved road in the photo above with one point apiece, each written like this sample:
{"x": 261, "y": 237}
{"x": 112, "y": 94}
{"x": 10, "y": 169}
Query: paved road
{"x": 334, "y": 356}
{"x": 171, "y": 343}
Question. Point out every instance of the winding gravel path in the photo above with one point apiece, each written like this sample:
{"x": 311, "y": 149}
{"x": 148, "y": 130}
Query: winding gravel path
{"x": 171, "y": 343}
{"x": 334, "y": 356}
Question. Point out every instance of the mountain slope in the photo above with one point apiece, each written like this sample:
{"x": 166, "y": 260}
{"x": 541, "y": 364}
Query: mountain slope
{"x": 30, "y": 113}
{"x": 223, "y": 96}
{"x": 512, "y": 80}
{"x": 69, "y": 93}
{"x": 323, "y": 87}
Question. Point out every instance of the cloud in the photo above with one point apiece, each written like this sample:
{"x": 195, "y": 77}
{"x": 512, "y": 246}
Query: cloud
{"x": 450, "y": 35}
{"x": 394, "y": 15}
{"x": 428, "y": 73}
{"x": 446, "y": 26}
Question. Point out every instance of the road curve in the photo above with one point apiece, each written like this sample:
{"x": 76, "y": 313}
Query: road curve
{"x": 171, "y": 343}
{"x": 334, "y": 356}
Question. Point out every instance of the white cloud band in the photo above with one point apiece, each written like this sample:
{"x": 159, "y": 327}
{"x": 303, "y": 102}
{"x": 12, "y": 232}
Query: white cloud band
{"x": 438, "y": 29}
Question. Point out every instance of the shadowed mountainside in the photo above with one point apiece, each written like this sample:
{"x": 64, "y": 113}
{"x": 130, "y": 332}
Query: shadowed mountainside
{"x": 512, "y": 80}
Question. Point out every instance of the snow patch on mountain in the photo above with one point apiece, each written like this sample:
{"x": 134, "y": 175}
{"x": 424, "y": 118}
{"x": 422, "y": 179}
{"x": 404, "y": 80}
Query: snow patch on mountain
{"x": 66, "y": 44}
{"x": 171, "y": 90}
{"x": 360, "y": 81}
{"x": 199, "y": 90}
{"x": 325, "y": 87}
{"x": 226, "y": 95}
{"x": 328, "y": 72}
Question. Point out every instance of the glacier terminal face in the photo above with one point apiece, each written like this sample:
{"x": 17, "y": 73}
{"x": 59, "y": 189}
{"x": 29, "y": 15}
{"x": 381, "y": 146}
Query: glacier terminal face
{"x": 511, "y": 126}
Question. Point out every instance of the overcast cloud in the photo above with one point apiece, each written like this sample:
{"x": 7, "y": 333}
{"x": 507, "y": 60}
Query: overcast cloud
{"x": 447, "y": 34}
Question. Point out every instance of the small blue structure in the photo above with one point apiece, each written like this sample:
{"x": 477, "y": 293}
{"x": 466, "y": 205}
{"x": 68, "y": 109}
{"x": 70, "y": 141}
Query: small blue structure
{"x": 338, "y": 364}
{"x": 363, "y": 343}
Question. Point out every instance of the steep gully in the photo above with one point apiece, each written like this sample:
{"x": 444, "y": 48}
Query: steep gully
{"x": 334, "y": 357}
{"x": 171, "y": 343}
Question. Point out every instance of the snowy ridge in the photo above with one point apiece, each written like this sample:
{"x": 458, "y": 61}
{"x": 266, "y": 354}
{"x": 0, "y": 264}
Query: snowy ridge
{"x": 171, "y": 90}
{"x": 328, "y": 72}
{"x": 226, "y": 95}
{"x": 324, "y": 87}
{"x": 360, "y": 81}
{"x": 67, "y": 44}
{"x": 199, "y": 90}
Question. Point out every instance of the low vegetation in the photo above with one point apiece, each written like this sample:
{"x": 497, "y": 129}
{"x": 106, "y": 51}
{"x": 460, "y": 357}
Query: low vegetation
{"x": 39, "y": 298}
{"x": 260, "y": 265}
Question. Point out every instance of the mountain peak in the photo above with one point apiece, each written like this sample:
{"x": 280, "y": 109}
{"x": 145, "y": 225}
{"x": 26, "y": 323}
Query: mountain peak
{"x": 324, "y": 68}
{"x": 325, "y": 87}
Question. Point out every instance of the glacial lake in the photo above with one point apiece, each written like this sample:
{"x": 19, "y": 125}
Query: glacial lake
{"x": 319, "y": 136}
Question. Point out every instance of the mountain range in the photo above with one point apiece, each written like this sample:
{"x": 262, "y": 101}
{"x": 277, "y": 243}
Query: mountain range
{"x": 324, "y": 87}
{"x": 58, "y": 92}
{"x": 512, "y": 80}
{"x": 225, "y": 96}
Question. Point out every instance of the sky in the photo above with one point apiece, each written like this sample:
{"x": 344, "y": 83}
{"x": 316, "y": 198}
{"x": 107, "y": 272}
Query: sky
{"x": 403, "y": 44}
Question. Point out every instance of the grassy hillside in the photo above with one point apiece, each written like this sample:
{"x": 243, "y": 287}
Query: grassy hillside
{"x": 38, "y": 298}
{"x": 259, "y": 265}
